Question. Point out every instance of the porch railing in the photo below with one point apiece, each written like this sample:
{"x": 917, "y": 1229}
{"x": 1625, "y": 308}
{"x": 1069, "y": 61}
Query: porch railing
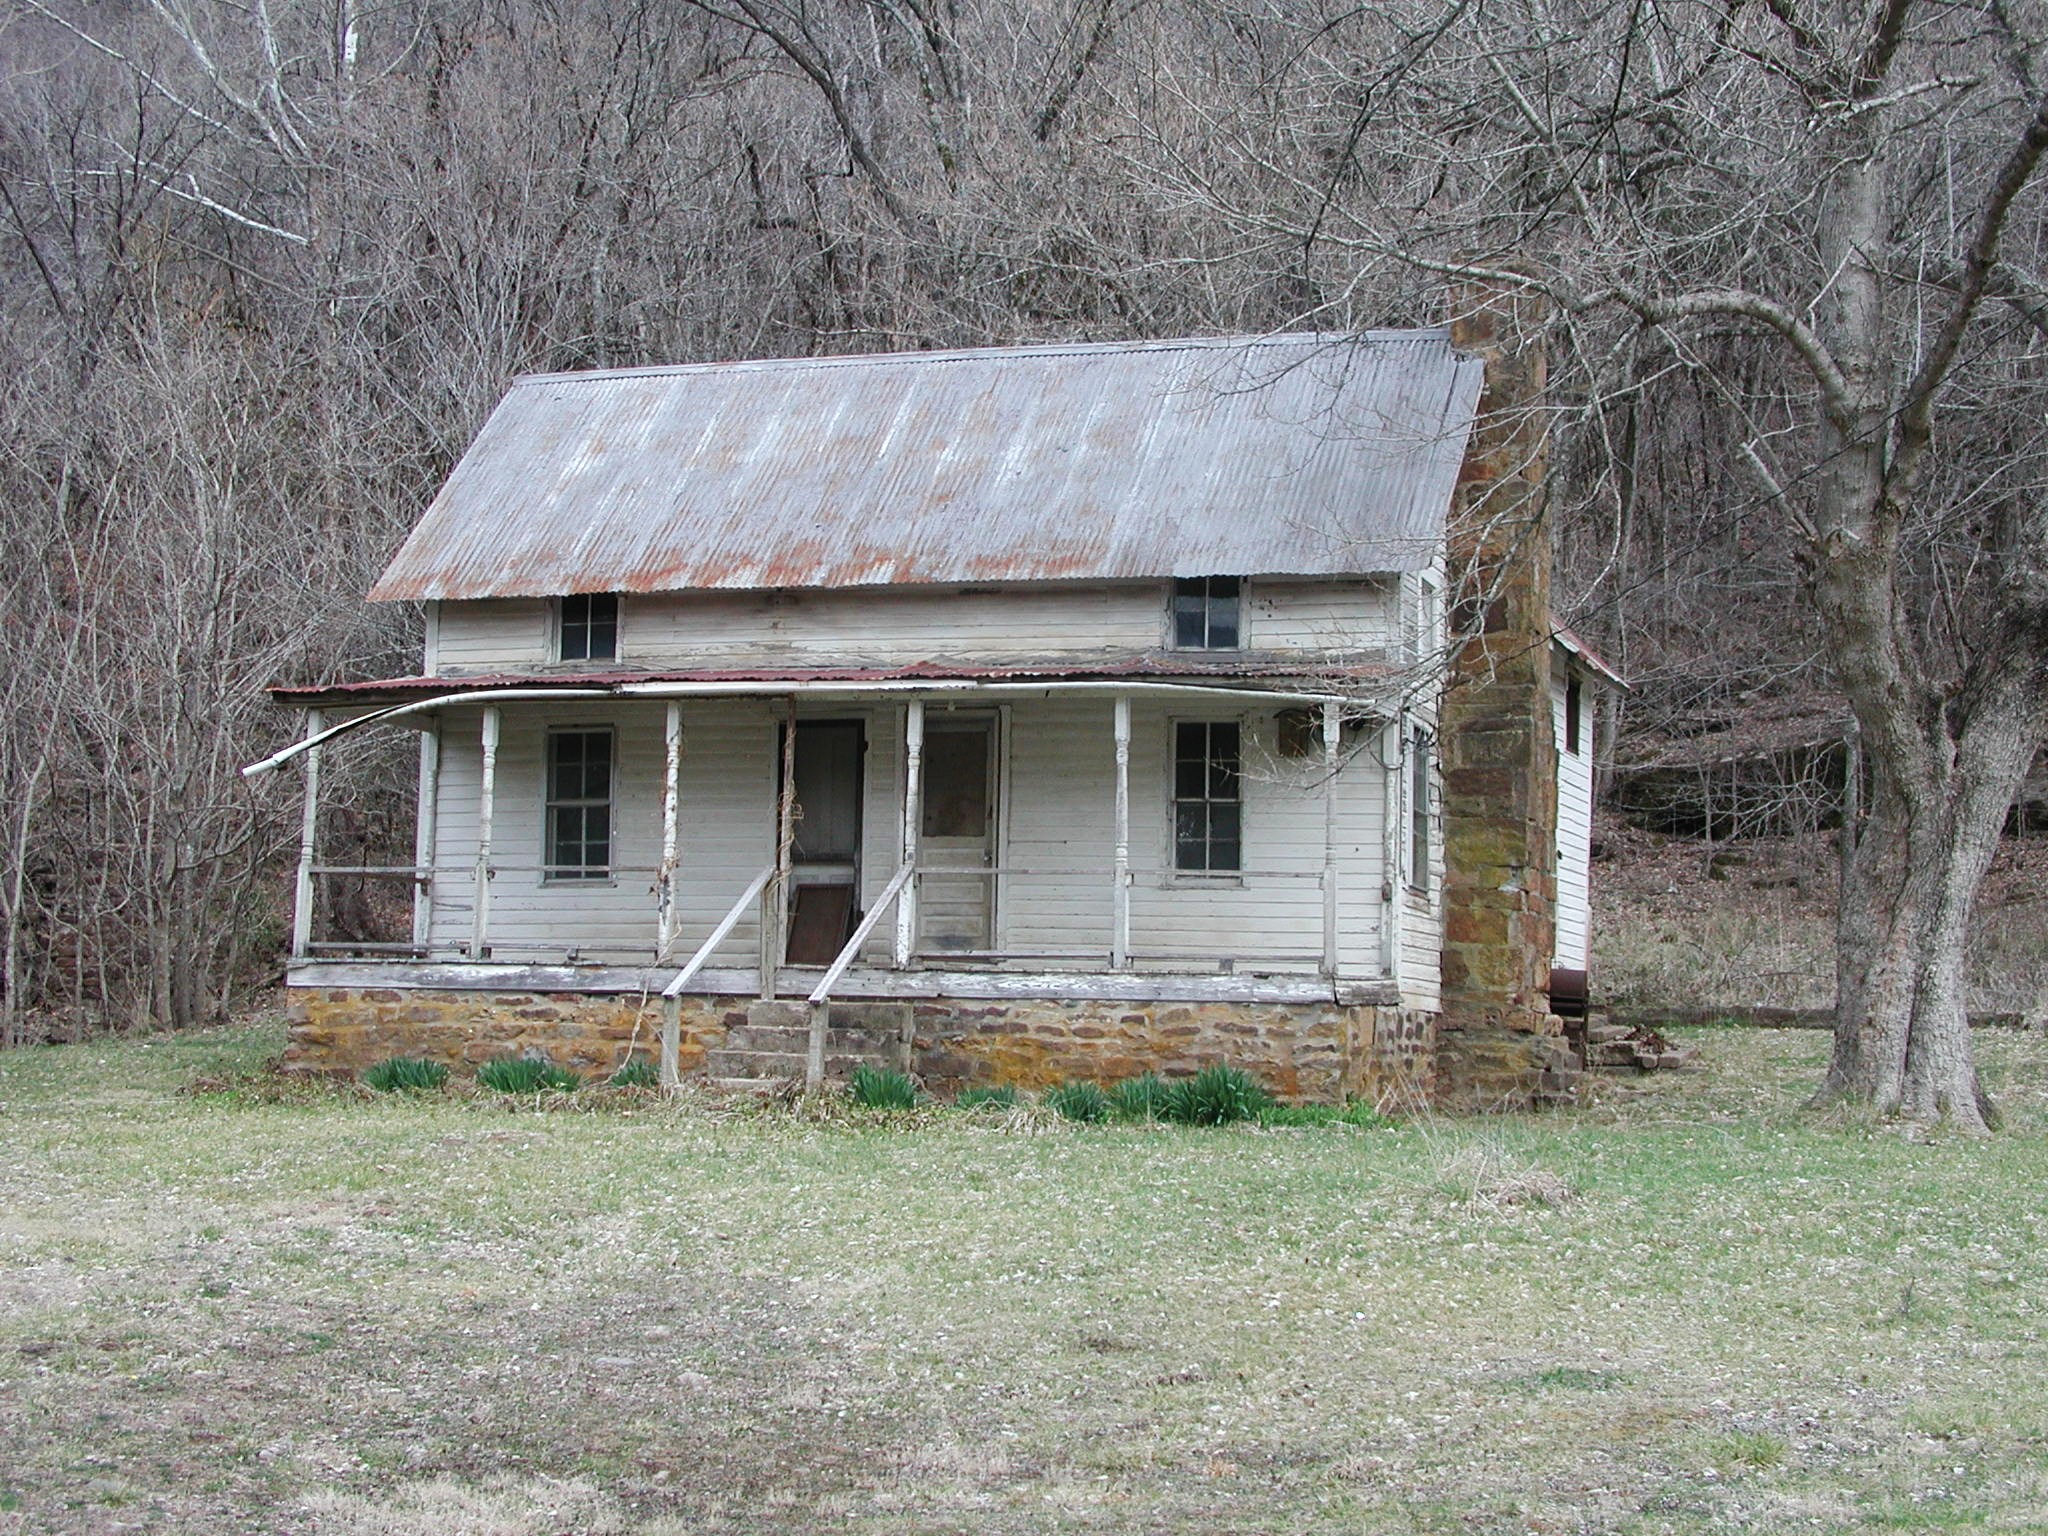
{"x": 672, "y": 994}
{"x": 820, "y": 998}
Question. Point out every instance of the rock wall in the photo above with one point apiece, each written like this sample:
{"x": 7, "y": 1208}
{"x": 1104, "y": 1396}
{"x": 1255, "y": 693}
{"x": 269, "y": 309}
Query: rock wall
{"x": 1321, "y": 1053}
{"x": 342, "y": 1030}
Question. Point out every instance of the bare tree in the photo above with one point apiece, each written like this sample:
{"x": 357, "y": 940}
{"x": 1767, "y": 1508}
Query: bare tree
{"x": 1829, "y": 213}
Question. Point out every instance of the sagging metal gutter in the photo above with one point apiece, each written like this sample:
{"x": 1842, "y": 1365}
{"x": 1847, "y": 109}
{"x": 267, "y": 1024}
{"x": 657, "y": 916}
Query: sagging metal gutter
{"x": 278, "y": 759}
{"x": 799, "y": 687}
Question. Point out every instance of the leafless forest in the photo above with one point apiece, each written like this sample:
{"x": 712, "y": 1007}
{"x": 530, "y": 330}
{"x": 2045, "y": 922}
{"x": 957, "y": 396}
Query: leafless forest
{"x": 266, "y": 263}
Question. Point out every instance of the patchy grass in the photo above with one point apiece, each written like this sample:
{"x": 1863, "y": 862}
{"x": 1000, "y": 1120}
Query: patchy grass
{"x": 1687, "y": 1307}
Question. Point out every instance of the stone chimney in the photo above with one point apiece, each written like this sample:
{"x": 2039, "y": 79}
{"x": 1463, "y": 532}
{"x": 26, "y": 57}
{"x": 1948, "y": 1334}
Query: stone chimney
{"x": 1498, "y": 1044}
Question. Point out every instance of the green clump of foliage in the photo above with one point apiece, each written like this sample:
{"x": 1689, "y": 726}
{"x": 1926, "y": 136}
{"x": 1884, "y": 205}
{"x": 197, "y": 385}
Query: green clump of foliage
{"x": 987, "y": 1098}
{"x": 1217, "y": 1095}
{"x": 1083, "y": 1102}
{"x": 637, "y": 1073}
{"x": 1295, "y": 1116}
{"x": 406, "y": 1074}
{"x": 883, "y": 1088}
{"x": 524, "y": 1074}
{"x": 1139, "y": 1098}
{"x": 1359, "y": 1113}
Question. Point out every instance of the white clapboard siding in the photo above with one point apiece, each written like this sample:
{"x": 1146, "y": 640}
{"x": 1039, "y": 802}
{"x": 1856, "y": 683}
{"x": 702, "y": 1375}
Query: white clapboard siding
{"x": 1292, "y": 614}
{"x": 725, "y": 831}
{"x": 1056, "y": 838}
{"x": 998, "y": 625}
{"x": 493, "y": 635}
{"x": 1574, "y": 828}
{"x": 1422, "y": 920}
{"x": 1061, "y": 816}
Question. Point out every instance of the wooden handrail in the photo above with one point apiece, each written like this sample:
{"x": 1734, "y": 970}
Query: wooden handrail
{"x": 814, "y": 1066}
{"x": 844, "y": 959}
{"x": 730, "y": 921}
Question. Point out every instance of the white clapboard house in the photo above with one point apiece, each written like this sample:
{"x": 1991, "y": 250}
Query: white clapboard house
{"x": 1013, "y": 713}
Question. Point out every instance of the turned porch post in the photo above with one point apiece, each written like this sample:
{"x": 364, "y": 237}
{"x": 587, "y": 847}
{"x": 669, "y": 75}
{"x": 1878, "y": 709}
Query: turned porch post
{"x": 666, "y": 916}
{"x": 1333, "y": 729}
{"x": 913, "y": 795}
{"x": 309, "y": 826}
{"x": 1120, "y": 933}
{"x": 426, "y": 835}
{"x": 480, "y": 926}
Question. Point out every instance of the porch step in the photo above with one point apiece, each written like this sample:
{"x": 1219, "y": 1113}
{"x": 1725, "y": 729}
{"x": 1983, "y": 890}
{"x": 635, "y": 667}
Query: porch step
{"x": 779, "y": 1064}
{"x": 852, "y": 1041}
{"x": 775, "y": 1042}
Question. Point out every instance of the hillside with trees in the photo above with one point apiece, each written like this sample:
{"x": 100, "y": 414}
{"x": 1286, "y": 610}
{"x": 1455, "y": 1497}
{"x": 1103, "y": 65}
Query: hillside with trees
{"x": 264, "y": 267}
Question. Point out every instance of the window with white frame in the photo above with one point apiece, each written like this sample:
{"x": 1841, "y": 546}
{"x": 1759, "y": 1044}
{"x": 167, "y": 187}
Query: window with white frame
{"x": 1418, "y": 809}
{"x": 579, "y": 805}
{"x": 1208, "y": 803}
{"x": 587, "y": 627}
{"x": 1208, "y": 613}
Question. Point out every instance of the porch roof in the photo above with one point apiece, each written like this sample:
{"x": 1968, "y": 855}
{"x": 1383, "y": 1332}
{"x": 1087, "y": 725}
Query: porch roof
{"x": 1283, "y": 675}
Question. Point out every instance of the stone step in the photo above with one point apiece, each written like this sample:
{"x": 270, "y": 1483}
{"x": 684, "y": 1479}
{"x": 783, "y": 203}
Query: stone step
{"x": 719, "y": 1063}
{"x": 851, "y": 1040}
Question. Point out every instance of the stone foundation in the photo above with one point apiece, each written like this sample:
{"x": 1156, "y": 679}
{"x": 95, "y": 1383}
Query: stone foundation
{"x": 342, "y": 1030}
{"x": 1317, "y": 1053}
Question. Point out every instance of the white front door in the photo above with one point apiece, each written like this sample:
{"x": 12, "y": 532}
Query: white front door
{"x": 957, "y": 837}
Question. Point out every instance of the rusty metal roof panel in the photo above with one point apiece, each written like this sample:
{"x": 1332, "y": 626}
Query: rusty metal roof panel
{"x": 1282, "y": 455}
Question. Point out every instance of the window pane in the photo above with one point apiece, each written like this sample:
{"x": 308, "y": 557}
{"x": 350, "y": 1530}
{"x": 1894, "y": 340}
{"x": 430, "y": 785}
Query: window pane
{"x": 1191, "y": 837}
{"x": 575, "y": 628}
{"x": 1223, "y": 823}
{"x": 1223, "y": 855}
{"x": 1223, "y": 761}
{"x": 602, "y": 639}
{"x": 1190, "y": 778}
{"x": 956, "y": 783}
{"x": 1190, "y": 615}
{"x": 597, "y": 765}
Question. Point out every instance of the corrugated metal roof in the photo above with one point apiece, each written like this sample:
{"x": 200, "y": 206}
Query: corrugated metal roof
{"x": 1283, "y": 455}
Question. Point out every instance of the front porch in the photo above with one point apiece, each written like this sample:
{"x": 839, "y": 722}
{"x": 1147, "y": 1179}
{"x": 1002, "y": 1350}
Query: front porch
{"x": 1006, "y": 866}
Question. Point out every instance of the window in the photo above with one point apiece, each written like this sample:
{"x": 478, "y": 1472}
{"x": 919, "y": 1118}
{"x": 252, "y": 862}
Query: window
{"x": 579, "y": 842}
{"x": 1418, "y": 811}
{"x": 1207, "y": 809}
{"x": 590, "y": 627}
{"x": 1573, "y": 704}
{"x": 1205, "y": 613}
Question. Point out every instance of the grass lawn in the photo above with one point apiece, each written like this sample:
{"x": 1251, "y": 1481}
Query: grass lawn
{"x": 219, "y": 1314}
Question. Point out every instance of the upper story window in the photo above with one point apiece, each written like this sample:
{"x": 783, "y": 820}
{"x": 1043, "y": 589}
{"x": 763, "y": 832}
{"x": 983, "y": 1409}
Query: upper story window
{"x": 1208, "y": 798}
{"x": 579, "y": 827}
{"x": 1574, "y": 711}
{"x": 589, "y": 627}
{"x": 1207, "y": 613}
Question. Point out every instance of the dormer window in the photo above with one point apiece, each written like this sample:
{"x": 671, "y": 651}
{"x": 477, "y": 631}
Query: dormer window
{"x": 1206, "y": 613}
{"x": 589, "y": 627}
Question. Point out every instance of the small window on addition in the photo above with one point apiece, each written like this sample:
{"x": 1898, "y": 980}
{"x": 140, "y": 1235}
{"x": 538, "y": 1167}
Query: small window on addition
{"x": 579, "y": 844}
{"x": 1206, "y": 613}
{"x": 1574, "y": 706}
{"x": 590, "y": 627}
{"x": 1208, "y": 811}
